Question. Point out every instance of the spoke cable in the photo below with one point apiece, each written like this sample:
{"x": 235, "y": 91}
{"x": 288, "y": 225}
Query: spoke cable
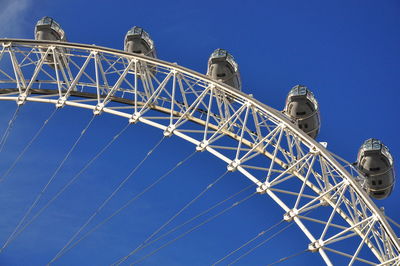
{"x": 127, "y": 204}
{"x": 22, "y": 153}
{"x": 195, "y": 227}
{"x": 289, "y": 257}
{"x": 392, "y": 221}
{"x": 171, "y": 219}
{"x": 260, "y": 244}
{"x": 248, "y": 242}
{"x": 39, "y": 196}
{"x": 193, "y": 218}
{"x": 72, "y": 181}
{"x": 8, "y": 129}
{"x": 108, "y": 199}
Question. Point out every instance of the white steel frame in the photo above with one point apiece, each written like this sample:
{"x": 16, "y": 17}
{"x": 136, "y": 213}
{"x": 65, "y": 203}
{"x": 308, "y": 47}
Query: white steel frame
{"x": 297, "y": 172}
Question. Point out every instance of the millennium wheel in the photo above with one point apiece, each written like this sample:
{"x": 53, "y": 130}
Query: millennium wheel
{"x": 320, "y": 193}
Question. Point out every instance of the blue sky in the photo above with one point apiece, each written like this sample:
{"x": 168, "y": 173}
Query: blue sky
{"x": 346, "y": 52}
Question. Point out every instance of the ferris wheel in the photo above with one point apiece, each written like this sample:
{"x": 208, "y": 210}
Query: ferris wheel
{"x": 326, "y": 197}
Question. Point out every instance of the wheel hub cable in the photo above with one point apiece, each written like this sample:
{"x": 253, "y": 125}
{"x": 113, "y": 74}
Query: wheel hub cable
{"x": 193, "y": 218}
{"x": 194, "y": 228}
{"x": 8, "y": 129}
{"x": 108, "y": 199}
{"x": 262, "y": 243}
{"x": 171, "y": 219}
{"x": 44, "y": 189}
{"x": 288, "y": 257}
{"x": 265, "y": 241}
{"x": 248, "y": 242}
{"x": 128, "y": 203}
{"x": 72, "y": 181}
{"x": 22, "y": 153}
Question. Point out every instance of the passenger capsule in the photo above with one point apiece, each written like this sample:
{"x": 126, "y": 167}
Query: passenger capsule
{"x": 48, "y": 29}
{"x": 376, "y": 163}
{"x": 222, "y": 67}
{"x": 138, "y": 41}
{"x": 303, "y": 108}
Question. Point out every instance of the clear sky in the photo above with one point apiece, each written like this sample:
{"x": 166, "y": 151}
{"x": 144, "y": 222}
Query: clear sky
{"x": 346, "y": 52}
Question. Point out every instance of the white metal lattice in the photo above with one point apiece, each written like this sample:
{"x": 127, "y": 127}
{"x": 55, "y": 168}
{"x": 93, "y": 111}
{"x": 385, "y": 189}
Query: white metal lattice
{"x": 298, "y": 173}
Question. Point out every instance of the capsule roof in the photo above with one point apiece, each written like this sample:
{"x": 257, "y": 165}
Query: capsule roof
{"x": 301, "y": 90}
{"x": 140, "y": 32}
{"x": 50, "y": 22}
{"x": 376, "y": 145}
{"x": 223, "y": 54}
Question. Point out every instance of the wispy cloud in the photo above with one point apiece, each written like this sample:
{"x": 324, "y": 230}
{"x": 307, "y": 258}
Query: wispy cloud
{"x": 12, "y": 14}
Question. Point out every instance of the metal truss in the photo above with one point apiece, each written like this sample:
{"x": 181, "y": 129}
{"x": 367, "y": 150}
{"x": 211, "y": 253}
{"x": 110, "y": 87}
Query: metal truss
{"x": 320, "y": 192}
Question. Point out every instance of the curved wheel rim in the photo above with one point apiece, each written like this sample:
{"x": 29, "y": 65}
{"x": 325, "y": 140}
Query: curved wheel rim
{"x": 27, "y": 72}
